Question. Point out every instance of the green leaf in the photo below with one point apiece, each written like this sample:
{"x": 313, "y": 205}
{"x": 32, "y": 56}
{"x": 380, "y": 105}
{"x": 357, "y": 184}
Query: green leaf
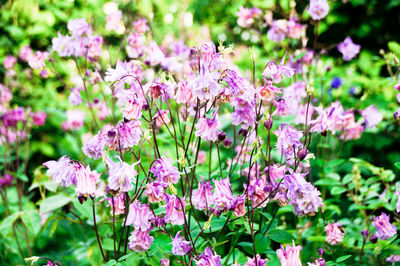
{"x": 338, "y": 190}
{"x": 397, "y": 165}
{"x": 280, "y": 236}
{"x": 342, "y": 258}
{"x": 7, "y": 223}
{"x": 111, "y": 262}
{"x": 85, "y": 209}
{"x": 54, "y": 202}
{"x": 32, "y": 220}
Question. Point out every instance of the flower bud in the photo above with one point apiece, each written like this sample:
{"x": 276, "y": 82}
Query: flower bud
{"x": 301, "y": 154}
{"x": 373, "y": 238}
{"x": 268, "y": 123}
{"x": 227, "y": 142}
{"x": 221, "y": 136}
{"x": 364, "y": 233}
{"x": 111, "y": 133}
{"x": 321, "y": 252}
{"x": 243, "y": 132}
{"x": 145, "y": 107}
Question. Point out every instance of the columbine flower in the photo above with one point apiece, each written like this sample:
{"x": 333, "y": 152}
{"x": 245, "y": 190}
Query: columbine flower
{"x": 287, "y": 137}
{"x": 208, "y": 128}
{"x": 334, "y": 233}
{"x": 277, "y": 31}
{"x": 121, "y": 175}
{"x": 37, "y": 61}
{"x": 275, "y": 72}
{"x": 349, "y": 49}
{"x": 114, "y": 22}
{"x": 39, "y": 118}
{"x": 129, "y": 134}
{"x": 393, "y": 259}
{"x": 246, "y": 16}
{"x": 119, "y": 204}
{"x": 202, "y": 197}
{"x": 86, "y": 182}
{"x": 289, "y": 256}
{"x": 139, "y": 216}
{"x": 208, "y": 258}
{"x": 61, "y": 171}
{"x": 252, "y": 261}
{"x": 180, "y": 247}
{"x": 9, "y": 61}
{"x": 25, "y": 53}
{"x": 140, "y": 241}
{"x": 140, "y": 25}
{"x": 317, "y": 262}
{"x": 93, "y": 148}
{"x": 155, "y": 191}
{"x": 174, "y": 211}
{"x": 384, "y": 229}
{"x": 78, "y": 27}
{"x": 223, "y": 197}
{"x": 75, "y": 120}
{"x": 240, "y": 207}
{"x": 372, "y": 116}
{"x": 205, "y": 86}
{"x": 6, "y": 180}
{"x": 164, "y": 171}
{"x": 318, "y": 9}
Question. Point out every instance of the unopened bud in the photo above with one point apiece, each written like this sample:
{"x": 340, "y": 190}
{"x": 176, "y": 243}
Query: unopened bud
{"x": 373, "y": 238}
{"x": 321, "y": 252}
{"x": 243, "y": 132}
{"x": 301, "y": 154}
{"x": 364, "y": 233}
{"x": 268, "y": 123}
{"x": 221, "y": 136}
{"x": 227, "y": 142}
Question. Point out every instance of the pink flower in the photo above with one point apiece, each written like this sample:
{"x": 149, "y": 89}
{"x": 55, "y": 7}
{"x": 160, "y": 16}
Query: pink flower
{"x": 372, "y": 116}
{"x": 39, "y": 118}
{"x": 133, "y": 109}
{"x": 252, "y": 261}
{"x": 164, "y": 171}
{"x": 164, "y": 262}
{"x": 140, "y": 26}
{"x": 135, "y": 44}
{"x": 37, "y": 61}
{"x": 317, "y": 262}
{"x": 208, "y": 129}
{"x": 130, "y": 134}
{"x": 287, "y": 137}
{"x": 205, "y": 86}
{"x": 246, "y": 16}
{"x": 180, "y": 247}
{"x": 348, "y": 49}
{"x": 5, "y": 94}
{"x": 240, "y": 207}
{"x": 61, "y": 171}
{"x": 86, "y": 182}
{"x": 289, "y": 256}
{"x": 174, "y": 211}
{"x": 393, "y": 259}
{"x": 75, "y": 96}
{"x": 75, "y": 120}
{"x": 162, "y": 118}
{"x": 78, "y": 27}
{"x": 25, "y": 53}
{"x": 114, "y": 22}
{"x": 334, "y": 233}
{"x": 63, "y": 45}
{"x": 202, "y": 197}
{"x": 155, "y": 191}
{"x": 318, "y": 9}
{"x": 119, "y": 204}
{"x": 121, "y": 175}
{"x": 223, "y": 197}
{"x": 183, "y": 93}
{"x": 139, "y": 216}
{"x": 154, "y": 55}
{"x": 278, "y": 29}
{"x": 275, "y": 72}
{"x": 6, "y": 180}
{"x": 384, "y": 229}
{"x": 9, "y": 62}
{"x": 140, "y": 241}
{"x": 94, "y": 46}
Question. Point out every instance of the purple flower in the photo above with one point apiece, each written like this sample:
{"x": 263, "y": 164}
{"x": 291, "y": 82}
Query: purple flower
{"x": 336, "y": 83}
{"x": 39, "y": 118}
{"x": 75, "y": 96}
{"x": 289, "y": 256}
{"x": 317, "y": 262}
{"x": 9, "y": 62}
{"x": 140, "y": 241}
{"x": 393, "y": 259}
{"x": 61, "y": 171}
{"x": 25, "y": 53}
{"x": 202, "y": 196}
{"x": 372, "y": 116}
{"x": 164, "y": 171}
{"x": 277, "y": 32}
{"x": 155, "y": 191}
{"x": 287, "y": 137}
{"x": 119, "y": 204}
{"x": 129, "y": 134}
{"x": 252, "y": 261}
{"x": 205, "y": 86}
{"x": 75, "y": 120}
{"x": 94, "y": 147}
{"x": 174, "y": 212}
{"x": 244, "y": 112}
{"x": 121, "y": 175}
{"x": 208, "y": 128}
{"x": 78, "y": 27}
{"x": 384, "y": 229}
{"x": 37, "y": 61}
{"x": 208, "y": 258}
{"x": 139, "y": 216}
{"x": 348, "y": 49}
{"x": 6, "y": 180}
{"x": 223, "y": 197}
{"x": 318, "y": 9}
{"x": 180, "y": 247}
{"x": 334, "y": 233}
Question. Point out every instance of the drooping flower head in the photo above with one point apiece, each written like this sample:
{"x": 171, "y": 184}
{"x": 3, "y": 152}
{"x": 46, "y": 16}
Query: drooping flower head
{"x": 334, "y": 233}
{"x": 174, "y": 211}
{"x": 202, "y": 197}
{"x": 121, "y": 175}
{"x": 155, "y": 191}
{"x": 61, "y": 171}
{"x": 384, "y": 229}
{"x": 164, "y": 171}
{"x": 139, "y": 216}
{"x": 223, "y": 197}
{"x": 180, "y": 247}
{"x": 86, "y": 182}
{"x": 208, "y": 128}
{"x": 140, "y": 241}
{"x": 93, "y": 148}
{"x": 117, "y": 204}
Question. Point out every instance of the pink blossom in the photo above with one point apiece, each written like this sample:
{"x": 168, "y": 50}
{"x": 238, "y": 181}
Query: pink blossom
{"x": 119, "y": 204}
{"x": 276, "y": 72}
{"x": 334, "y": 233}
{"x": 246, "y": 16}
{"x": 114, "y": 22}
{"x": 25, "y": 53}
{"x": 384, "y": 229}
{"x": 202, "y": 197}
{"x": 208, "y": 128}
{"x": 135, "y": 44}
{"x": 75, "y": 96}
{"x": 5, "y": 94}
{"x": 86, "y": 181}
{"x": 62, "y": 171}
{"x": 94, "y": 46}
{"x": 155, "y": 191}
{"x": 37, "y": 61}
{"x": 240, "y": 207}
{"x": 252, "y": 261}
{"x": 372, "y": 116}
{"x": 277, "y": 32}
{"x": 174, "y": 211}
{"x": 205, "y": 86}
{"x": 139, "y": 216}
{"x": 62, "y": 45}
{"x": 164, "y": 171}
{"x": 75, "y": 120}
{"x": 121, "y": 175}
{"x": 140, "y": 241}
{"x": 348, "y": 49}
{"x": 162, "y": 118}
{"x": 9, "y": 62}
{"x": 223, "y": 197}
{"x": 289, "y": 256}
{"x": 208, "y": 258}
{"x": 140, "y": 26}
{"x": 39, "y": 118}
{"x": 154, "y": 55}
{"x": 318, "y": 9}
{"x": 129, "y": 133}
{"x": 79, "y": 27}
